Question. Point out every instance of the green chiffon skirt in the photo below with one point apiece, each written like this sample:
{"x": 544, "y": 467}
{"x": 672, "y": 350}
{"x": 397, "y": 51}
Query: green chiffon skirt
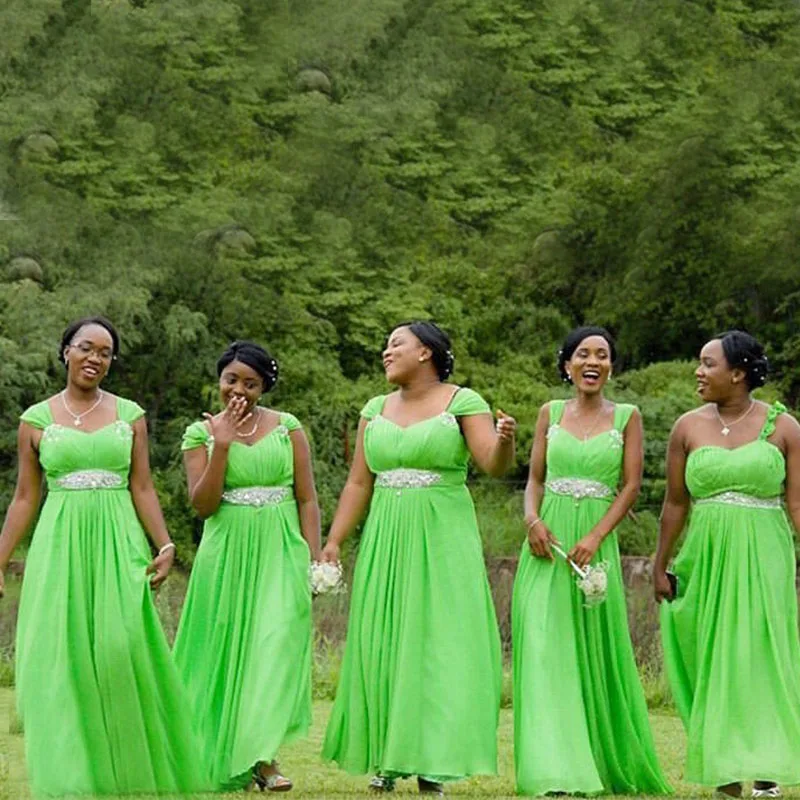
{"x": 419, "y": 692}
{"x": 731, "y": 646}
{"x": 101, "y": 702}
{"x": 580, "y": 718}
{"x": 244, "y": 644}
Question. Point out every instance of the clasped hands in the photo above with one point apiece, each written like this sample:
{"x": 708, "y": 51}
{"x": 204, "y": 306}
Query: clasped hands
{"x": 540, "y": 539}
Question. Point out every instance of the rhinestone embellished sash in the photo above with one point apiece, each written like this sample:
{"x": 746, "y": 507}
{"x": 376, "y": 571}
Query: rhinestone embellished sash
{"x": 257, "y": 495}
{"x": 407, "y": 479}
{"x": 89, "y": 479}
{"x": 740, "y": 499}
{"x": 579, "y": 488}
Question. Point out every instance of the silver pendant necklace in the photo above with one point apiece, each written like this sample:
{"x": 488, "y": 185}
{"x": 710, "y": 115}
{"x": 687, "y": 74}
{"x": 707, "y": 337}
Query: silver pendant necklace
{"x": 726, "y": 426}
{"x": 587, "y": 432}
{"x": 77, "y": 419}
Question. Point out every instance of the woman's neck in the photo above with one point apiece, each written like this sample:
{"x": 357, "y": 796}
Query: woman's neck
{"x": 81, "y": 395}
{"x": 735, "y": 406}
{"x": 418, "y": 387}
{"x": 589, "y": 402}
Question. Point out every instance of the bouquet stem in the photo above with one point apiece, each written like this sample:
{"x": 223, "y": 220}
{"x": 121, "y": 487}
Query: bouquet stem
{"x": 581, "y": 573}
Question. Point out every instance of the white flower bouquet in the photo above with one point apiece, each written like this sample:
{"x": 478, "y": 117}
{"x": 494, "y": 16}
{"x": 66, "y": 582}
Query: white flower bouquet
{"x": 592, "y": 579}
{"x": 326, "y": 578}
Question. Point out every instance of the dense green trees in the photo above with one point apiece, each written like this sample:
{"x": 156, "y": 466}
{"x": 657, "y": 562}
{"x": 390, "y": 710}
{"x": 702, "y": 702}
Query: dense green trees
{"x": 309, "y": 173}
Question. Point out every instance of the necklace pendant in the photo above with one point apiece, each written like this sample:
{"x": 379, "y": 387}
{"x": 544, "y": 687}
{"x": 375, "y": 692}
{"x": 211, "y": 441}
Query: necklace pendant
{"x": 726, "y": 430}
{"x": 78, "y": 422}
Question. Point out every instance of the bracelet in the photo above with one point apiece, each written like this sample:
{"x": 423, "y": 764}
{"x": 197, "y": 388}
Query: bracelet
{"x": 167, "y": 546}
{"x": 534, "y": 522}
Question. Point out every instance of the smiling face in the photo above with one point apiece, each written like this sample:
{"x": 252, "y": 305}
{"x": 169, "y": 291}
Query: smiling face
{"x": 715, "y": 378}
{"x": 404, "y": 355}
{"x": 239, "y": 380}
{"x": 89, "y": 355}
{"x": 590, "y": 364}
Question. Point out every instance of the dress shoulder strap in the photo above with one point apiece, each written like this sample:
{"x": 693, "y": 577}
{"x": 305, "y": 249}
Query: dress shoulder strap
{"x": 195, "y": 435}
{"x": 557, "y": 411}
{"x": 467, "y": 402}
{"x": 622, "y": 415}
{"x": 773, "y": 412}
{"x": 290, "y": 421}
{"x": 128, "y": 410}
{"x": 373, "y": 407}
{"x": 38, "y": 415}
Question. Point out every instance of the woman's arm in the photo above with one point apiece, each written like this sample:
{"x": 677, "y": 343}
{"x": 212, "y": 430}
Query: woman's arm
{"x": 27, "y": 496}
{"x": 632, "y": 466}
{"x": 148, "y": 509}
{"x": 491, "y": 448}
{"x": 305, "y": 492}
{"x": 205, "y": 475}
{"x": 353, "y": 501}
{"x": 674, "y": 511}
{"x": 539, "y": 536}
{"x": 791, "y": 438}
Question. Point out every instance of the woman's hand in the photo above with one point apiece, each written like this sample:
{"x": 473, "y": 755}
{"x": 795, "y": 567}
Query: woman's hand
{"x": 586, "y": 549}
{"x": 540, "y": 538}
{"x": 330, "y": 553}
{"x": 662, "y": 588}
{"x": 226, "y": 426}
{"x": 506, "y": 426}
{"x": 160, "y": 566}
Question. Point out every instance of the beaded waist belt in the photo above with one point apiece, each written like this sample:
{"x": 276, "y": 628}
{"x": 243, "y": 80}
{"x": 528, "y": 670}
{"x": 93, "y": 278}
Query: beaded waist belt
{"x": 407, "y": 479}
{"x": 741, "y": 499}
{"x": 90, "y": 479}
{"x": 257, "y": 495}
{"x": 579, "y": 488}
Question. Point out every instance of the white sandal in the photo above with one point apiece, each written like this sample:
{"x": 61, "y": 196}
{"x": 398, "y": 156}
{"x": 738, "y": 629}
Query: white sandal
{"x": 773, "y": 791}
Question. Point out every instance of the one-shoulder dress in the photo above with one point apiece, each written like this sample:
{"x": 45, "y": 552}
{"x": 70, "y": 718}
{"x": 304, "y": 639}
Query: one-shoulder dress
{"x": 243, "y": 645}
{"x": 580, "y": 717}
{"x": 102, "y": 705}
{"x": 730, "y": 637}
{"x": 419, "y": 692}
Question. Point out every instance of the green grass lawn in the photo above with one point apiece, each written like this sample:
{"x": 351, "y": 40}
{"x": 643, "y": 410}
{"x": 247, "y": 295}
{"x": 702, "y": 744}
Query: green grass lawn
{"x": 314, "y": 779}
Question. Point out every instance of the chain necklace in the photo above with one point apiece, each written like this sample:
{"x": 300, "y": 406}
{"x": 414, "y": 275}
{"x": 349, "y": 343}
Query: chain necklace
{"x": 255, "y": 427}
{"x": 726, "y": 426}
{"x": 77, "y": 419}
{"x": 587, "y": 431}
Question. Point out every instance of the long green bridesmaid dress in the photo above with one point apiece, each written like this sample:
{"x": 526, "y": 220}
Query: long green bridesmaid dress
{"x": 243, "y": 645}
{"x": 101, "y": 702}
{"x": 419, "y": 692}
{"x": 730, "y": 638}
{"x": 580, "y": 717}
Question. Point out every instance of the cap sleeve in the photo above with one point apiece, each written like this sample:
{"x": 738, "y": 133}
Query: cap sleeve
{"x": 622, "y": 415}
{"x": 290, "y": 421}
{"x": 129, "y": 411}
{"x": 39, "y": 415}
{"x": 373, "y": 407}
{"x": 467, "y": 402}
{"x": 195, "y": 435}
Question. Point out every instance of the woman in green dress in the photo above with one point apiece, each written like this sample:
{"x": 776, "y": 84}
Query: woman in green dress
{"x": 419, "y": 692}
{"x": 730, "y": 630}
{"x": 244, "y": 641}
{"x": 101, "y": 702}
{"x": 580, "y": 717}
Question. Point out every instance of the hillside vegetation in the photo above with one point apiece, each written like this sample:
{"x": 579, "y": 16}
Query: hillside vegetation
{"x": 308, "y": 173}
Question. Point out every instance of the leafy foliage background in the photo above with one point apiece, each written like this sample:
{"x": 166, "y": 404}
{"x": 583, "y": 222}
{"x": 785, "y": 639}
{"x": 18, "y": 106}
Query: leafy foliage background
{"x": 308, "y": 174}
